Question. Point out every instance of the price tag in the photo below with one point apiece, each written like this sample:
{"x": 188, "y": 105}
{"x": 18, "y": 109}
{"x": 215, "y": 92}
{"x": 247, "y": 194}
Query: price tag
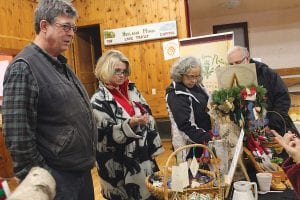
{"x": 194, "y": 166}
{"x": 177, "y": 183}
{"x": 184, "y": 173}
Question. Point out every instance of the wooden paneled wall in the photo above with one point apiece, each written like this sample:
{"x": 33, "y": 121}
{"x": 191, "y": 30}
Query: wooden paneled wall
{"x": 16, "y": 25}
{"x": 149, "y": 69}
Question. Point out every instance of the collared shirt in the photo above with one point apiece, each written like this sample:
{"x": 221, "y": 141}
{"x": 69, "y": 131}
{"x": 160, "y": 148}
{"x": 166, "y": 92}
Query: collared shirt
{"x": 20, "y": 118}
{"x": 20, "y": 115}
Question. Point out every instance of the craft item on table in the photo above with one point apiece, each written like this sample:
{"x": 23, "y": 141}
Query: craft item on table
{"x": 157, "y": 183}
{"x": 197, "y": 196}
{"x": 4, "y": 190}
{"x": 220, "y": 149}
{"x": 184, "y": 174}
{"x": 215, "y": 133}
{"x": 264, "y": 180}
{"x": 288, "y": 184}
{"x": 245, "y": 190}
{"x": 277, "y": 184}
{"x": 195, "y": 184}
{"x": 260, "y": 154}
{"x": 277, "y": 160}
{"x": 199, "y": 179}
{"x": 233, "y": 102}
{"x": 205, "y": 157}
{"x": 237, "y": 107}
{"x": 194, "y": 166}
{"x": 177, "y": 181}
{"x": 204, "y": 182}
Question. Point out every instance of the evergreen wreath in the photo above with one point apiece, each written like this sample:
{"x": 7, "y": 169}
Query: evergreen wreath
{"x": 244, "y": 105}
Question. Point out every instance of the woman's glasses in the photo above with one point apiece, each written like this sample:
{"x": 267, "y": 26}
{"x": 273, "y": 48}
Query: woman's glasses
{"x": 119, "y": 72}
{"x": 192, "y": 77}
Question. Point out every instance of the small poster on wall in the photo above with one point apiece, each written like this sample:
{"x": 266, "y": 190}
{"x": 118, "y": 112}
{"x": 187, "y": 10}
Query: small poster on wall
{"x": 171, "y": 49}
{"x": 145, "y": 32}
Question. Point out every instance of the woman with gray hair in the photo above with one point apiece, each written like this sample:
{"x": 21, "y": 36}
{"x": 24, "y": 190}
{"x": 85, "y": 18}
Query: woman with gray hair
{"x": 187, "y": 106}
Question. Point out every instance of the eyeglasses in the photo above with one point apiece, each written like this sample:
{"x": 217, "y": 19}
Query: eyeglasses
{"x": 191, "y": 77}
{"x": 119, "y": 72}
{"x": 67, "y": 27}
{"x": 238, "y": 62}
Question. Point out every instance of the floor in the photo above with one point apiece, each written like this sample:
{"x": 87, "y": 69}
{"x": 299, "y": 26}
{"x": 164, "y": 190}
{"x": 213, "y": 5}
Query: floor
{"x": 161, "y": 160}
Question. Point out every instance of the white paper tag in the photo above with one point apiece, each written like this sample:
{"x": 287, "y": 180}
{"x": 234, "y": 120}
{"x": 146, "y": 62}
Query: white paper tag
{"x": 177, "y": 183}
{"x": 185, "y": 174}
{"x": 194, "y": 166}
{"x": 255, "y": 114}
{"x": 5, "y": 188}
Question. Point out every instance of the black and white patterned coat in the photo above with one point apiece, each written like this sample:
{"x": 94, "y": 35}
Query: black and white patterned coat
{"x": 124, "y": 154}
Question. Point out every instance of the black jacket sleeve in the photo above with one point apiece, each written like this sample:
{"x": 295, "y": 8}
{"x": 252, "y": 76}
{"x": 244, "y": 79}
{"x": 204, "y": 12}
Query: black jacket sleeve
{"x": 180, "y": 106}
{"x": 278, "y": 99}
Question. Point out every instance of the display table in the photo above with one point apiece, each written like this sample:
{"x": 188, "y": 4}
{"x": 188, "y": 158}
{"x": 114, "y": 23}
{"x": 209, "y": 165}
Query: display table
{"x": 285, "y": 195}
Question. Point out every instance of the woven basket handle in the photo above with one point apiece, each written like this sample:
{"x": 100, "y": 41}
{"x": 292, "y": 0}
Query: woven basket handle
{"x": 272, "y": 111}
{"x": 165, "y": 170}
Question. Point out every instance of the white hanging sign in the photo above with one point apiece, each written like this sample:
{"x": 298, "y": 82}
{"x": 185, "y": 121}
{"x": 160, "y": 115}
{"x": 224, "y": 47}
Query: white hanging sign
{"x": 140, "y": 33}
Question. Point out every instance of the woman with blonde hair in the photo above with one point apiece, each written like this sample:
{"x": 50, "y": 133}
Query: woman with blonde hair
{"x": 127, "y": 139}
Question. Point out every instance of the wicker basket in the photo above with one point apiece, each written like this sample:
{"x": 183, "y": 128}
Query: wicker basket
{"x": 258, "y": 168}
{"x": 207, "y": 188}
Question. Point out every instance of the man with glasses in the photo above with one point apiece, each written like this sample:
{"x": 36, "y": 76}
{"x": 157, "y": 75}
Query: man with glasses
{"x": 278, "y": 99}
{"x": 47, "y": 117}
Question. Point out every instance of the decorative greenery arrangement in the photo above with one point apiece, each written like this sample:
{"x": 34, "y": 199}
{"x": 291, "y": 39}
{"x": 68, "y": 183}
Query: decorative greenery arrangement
{"x": 246, "y": 106}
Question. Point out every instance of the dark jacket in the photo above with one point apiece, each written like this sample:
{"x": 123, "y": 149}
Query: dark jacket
{"x": 278, "y": 99}
{"x": 65, "y": 127}
{"x": 187, "y": 109}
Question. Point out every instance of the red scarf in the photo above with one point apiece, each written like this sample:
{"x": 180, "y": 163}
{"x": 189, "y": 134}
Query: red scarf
{"x": 121, "y": 96}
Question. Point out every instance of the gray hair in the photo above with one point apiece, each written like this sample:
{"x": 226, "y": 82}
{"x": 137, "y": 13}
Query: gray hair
{"x": 244, "y": 51}
{"x": 50, "y": 9}
{"x": 182, "y": 66}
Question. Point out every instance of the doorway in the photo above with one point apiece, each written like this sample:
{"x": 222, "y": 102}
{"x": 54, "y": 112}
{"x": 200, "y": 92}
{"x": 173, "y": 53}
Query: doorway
{"x": 86, "y": 51}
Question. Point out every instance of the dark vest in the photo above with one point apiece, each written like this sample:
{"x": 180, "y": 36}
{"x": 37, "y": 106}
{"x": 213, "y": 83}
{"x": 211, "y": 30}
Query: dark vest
{"x": 66, "y": 130}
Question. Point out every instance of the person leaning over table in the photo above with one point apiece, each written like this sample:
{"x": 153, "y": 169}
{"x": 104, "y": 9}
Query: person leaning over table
{"x": 187, "y": 106}
{"x": 291, "y": 166}
{"x": 278, "y": 99}
{"x": 47, "y": 115}
{"x": 127, "y": 139}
